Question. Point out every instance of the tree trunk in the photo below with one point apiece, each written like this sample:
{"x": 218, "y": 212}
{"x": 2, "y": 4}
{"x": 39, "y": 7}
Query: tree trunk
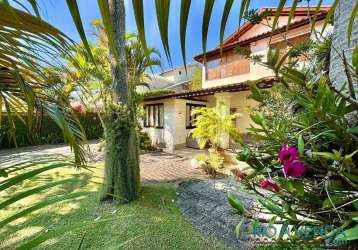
{"x": 121, "y": 180}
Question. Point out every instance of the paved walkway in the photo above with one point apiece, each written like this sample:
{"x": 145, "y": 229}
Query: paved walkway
{"x": 155, "y": 166}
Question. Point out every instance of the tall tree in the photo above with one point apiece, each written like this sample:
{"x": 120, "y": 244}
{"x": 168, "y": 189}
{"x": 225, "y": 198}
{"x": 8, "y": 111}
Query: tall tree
{"x": 122, "y": 180}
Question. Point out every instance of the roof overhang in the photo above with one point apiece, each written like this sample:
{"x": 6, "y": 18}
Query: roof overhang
{"x": 231, "y": 45}
{"x": 235, "y": 87}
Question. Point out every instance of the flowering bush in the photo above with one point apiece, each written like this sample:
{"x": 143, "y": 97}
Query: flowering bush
{"x": 307, "y": 157}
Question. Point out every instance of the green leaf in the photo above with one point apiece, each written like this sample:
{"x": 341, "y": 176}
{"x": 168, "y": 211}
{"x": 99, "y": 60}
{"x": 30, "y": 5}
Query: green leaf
{"x": 272, "y": 220}
{"x": 336, "y": 199}
{"x": 76, "y": 17}
{"x": 278, "y": 14}
{"x": 162, "y": 8}
{"x": 301, "y": 145}
{"x": 355, "y": 58}
{"x": 292, "y": 186}
{"x": 238, "y": 228}
{"x": 326, "y": 155}
{"x": 351, "y": 21}
{"x": 350, "y": 234}
{"x": 3, "y": 173}
{"x": 34, "y": 6}
{"x": 205, "y": 26}
{"x": 292, "y": 13}
{"x": 227, "y": 8}
{"x": 330, "y": 14}
{"x": 348, "y": 157}
{"x": 284, "y": 229}
{"x": 106, "y": 18}
{"x": 257, "y": 118}
{"x": 184, "y": 14}
{"x": 256, "y": 93}
{"x": 350, "y": 176}
{"x": 271, "y": 206}
{"x": 318, "y": 7}
{"x": 243, "y": 8}
{"x": 235, "y": 203}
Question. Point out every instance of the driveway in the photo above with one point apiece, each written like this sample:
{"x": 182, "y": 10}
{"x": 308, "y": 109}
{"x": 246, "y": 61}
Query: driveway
{"x": 154, "y": 166}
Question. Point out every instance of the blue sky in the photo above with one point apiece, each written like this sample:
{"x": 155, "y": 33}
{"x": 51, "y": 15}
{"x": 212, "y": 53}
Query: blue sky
{"x": 56, "y": 12}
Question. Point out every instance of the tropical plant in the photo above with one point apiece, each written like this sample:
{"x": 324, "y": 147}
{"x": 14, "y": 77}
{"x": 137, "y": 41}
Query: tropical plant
{"x": 306, "y": 159}
{"x": 25, "y": 84}
{"x": 211, "y": 124}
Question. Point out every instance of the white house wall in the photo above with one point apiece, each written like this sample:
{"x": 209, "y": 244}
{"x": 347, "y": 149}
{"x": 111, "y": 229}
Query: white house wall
{"x": 174, "y": 133}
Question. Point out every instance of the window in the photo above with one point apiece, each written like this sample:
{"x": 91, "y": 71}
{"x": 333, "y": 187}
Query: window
{"x": 154, "y": 115}
{"x": 230, "y": 64}
{"x": 190, "y": 119}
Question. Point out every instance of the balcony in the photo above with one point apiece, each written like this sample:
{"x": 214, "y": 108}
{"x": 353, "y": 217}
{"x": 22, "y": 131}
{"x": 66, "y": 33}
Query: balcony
{"x": 223, "y": 70}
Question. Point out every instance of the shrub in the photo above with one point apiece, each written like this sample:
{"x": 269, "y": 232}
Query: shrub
{"x": 145, "y": 142}
{"x": 211, "y": 124}
{"x": 210, "y": 164}
{"x": 45, "y": 130}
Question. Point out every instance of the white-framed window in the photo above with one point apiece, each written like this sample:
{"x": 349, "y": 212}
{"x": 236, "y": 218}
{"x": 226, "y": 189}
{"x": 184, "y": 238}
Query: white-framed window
{"x": 154, "y": 115}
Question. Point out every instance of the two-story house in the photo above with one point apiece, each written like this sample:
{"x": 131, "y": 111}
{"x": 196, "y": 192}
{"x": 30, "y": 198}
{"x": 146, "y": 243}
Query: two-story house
{"x": 226, "y": 78}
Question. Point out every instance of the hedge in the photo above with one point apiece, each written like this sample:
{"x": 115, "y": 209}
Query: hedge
{"x": 46, "y": 131}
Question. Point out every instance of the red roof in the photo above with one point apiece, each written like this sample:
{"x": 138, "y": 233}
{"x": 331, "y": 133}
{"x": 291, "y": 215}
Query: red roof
{"x": 232, "y": 41}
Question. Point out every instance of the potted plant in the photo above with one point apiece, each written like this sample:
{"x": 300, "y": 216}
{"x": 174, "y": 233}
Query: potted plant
{"x": 211, "y": 124}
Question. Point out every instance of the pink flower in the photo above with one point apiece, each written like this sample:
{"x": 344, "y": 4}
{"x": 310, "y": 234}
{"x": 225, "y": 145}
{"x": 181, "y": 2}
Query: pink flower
{"x": 294, "y": 168}
{"x": 267, "y": 183}
{"x": 288, "y": 154}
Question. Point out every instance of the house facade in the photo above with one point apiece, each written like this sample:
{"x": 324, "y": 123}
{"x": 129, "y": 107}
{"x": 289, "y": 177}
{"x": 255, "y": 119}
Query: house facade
{"x": 226, "y": 78}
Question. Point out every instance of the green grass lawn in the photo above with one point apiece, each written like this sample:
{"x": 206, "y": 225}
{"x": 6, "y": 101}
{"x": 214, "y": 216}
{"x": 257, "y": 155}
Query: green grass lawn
{"x": 151, "y": 222}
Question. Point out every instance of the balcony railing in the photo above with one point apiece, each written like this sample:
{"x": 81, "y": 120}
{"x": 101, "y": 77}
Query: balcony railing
{"x": 237, "y": 67}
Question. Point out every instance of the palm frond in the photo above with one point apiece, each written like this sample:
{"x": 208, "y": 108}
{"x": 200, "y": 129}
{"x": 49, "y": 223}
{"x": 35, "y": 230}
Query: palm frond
{"x": 226, "y": 12}
{"x": 28, "y": 47}
{"x": 162, "y": 8}
{"x": 209, "y": 4}
{"x": 278, "y": 13}
{"x": 292, "y": 13}
{"x": 107, "y": 24}
{"x": 76, "y": 17}
{"x": 244, "y": 6}
{"x": 184, "y": 14}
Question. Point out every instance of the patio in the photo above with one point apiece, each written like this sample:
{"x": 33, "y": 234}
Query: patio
{"x": 154, "y": 166}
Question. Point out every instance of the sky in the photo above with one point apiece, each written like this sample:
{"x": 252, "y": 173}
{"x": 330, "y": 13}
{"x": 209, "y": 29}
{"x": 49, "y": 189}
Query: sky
{"x": 56, "y": 13}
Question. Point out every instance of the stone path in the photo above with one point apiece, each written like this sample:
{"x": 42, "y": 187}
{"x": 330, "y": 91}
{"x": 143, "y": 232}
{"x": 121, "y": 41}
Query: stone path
{"x": 155, "y": 166}
{"x": 205, "y": 205}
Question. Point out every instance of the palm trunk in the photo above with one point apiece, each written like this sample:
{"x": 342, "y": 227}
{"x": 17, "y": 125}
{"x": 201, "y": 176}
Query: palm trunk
{"x": 121, "y": 181}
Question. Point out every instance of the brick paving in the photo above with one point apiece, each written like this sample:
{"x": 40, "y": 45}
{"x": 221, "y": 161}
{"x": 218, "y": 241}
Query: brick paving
{"x": 154, "y": 166}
